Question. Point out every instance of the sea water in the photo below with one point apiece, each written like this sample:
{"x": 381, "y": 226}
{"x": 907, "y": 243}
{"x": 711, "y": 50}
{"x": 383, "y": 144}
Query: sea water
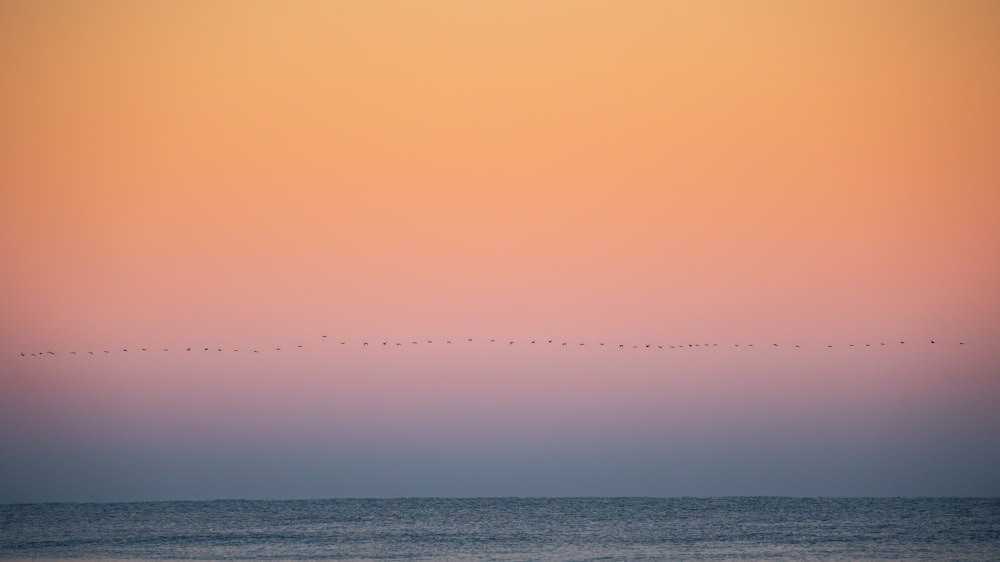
{"x": 740, "y": 528}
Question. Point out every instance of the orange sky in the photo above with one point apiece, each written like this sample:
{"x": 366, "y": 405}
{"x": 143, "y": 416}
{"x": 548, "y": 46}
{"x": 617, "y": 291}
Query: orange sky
{"x": 251, "y": 172}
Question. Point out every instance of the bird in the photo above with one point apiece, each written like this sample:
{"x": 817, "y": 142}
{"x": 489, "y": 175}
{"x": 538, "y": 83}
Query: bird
{"x": 470, "y": 339}
{"x": 647, "y": 346}
{"x": 189, "y": 349}
{"x": 324, "y": 335}
{"x": 550, "y": 341}
{"x": 510, "y": 343}
{"x": 447, "y": 341}
{"x": 90, "y": 352}
{"x": 600, "y": 343}
{"x": 621, "y": 345}
{"x": 932, "y": 341}
{"x": 660, "y": 346}
{"x": 255, "y": 351}
{"x": 564, "y": 343}
{"x": 385, "y": 343}
{"x": 22, "y": 354}
{"x": 398, "y": 344}
{"x": 532, "y": 341}
{"x": 300, "y": 346}
{"x": 71, "y": 353}
{"x": 366, "y": 344}
{"x": 124, "y": 350}
{"x": 775, "y": 345}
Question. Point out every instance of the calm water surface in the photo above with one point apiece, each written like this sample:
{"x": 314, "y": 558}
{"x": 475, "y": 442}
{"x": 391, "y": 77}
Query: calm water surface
{"x": 509, "y": 529}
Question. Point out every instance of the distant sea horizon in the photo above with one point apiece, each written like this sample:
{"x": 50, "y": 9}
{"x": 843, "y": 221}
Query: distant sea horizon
{"x": 508, "y": 528}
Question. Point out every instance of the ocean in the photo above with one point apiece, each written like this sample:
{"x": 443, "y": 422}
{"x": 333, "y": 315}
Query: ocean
{"x": 736, "y": 528}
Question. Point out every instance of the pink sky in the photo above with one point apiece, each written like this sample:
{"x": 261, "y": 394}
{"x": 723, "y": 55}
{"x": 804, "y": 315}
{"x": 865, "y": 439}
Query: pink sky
{"x": 254, "y": 175}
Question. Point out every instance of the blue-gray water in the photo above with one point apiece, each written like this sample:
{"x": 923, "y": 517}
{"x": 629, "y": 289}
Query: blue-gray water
{"x": 763, "y": 528}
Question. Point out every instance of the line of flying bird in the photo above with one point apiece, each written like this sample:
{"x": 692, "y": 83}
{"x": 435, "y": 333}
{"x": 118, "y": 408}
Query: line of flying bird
{"x": 387, "y": 343}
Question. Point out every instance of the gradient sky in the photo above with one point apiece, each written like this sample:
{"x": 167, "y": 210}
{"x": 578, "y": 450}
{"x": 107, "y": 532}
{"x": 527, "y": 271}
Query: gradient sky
{"x": 254, "y": 175}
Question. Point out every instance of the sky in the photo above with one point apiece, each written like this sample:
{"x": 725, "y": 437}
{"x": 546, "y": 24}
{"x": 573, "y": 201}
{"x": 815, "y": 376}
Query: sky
{"x": 764, "y": 193}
